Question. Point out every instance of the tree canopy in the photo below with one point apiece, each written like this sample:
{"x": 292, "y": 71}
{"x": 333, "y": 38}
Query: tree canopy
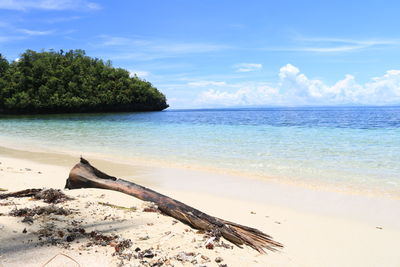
{"x": 58, "y": 82}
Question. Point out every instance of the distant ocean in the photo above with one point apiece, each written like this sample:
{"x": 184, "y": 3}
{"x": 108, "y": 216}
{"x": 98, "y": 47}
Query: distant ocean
{"x": 352, "y": 147}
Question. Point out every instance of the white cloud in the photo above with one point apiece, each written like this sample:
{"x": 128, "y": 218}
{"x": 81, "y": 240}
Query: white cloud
{"x": 139, "y": 73}
{"x": 34, "y": 33}
{"x": 121, "y": 41}
{"x": 93, "y": 6}
{"x": 365, "y": 42}
{"x": 335, "y": 45}
{"x": 24, "y": 34}
{"x": 149, "y": 49}
{"x": 296, "y": 89}
{"x": 23, "y": 5}
{"x": 206, "y": 83}
{"x": 246, "y": 96}
{"x": 247, "y": 67}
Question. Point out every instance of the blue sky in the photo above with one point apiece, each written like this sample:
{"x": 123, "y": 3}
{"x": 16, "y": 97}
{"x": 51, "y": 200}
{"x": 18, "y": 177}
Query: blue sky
{"x": 217, "y": 53}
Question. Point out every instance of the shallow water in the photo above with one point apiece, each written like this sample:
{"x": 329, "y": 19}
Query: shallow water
{"x": 344, "y": 147}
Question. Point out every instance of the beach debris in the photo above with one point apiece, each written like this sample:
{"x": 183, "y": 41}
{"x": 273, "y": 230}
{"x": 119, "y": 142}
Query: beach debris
{"x": 22, "y": 193}
{"x": 214, "y": 240}
{"x": 148, "y": 253}
{"x": 146, "y": 237}
{"x": 60, "y": 254}
{"x": 150, "y": 207}
{"x": 9, "y": 203}
{"x": 210, "y": 243}
{"x": 47, "y": 195}
{"x": 60, "y": 233}
{"x": 3, "y": 189}
{"x": 47, "y": 210}
{"x": 219, "y": 259}
{"x": 117, "y": 207}
{"x": 224, "y": 245}
{"x": 70, "y": 238}
{"x": 27, "y": 219}
{"x": 186, "y": 257}
{"x": 121, "y": 244}
{"x": 49, "y": 234}
{"x": 252, "y": 212}
{"x": 378, "y": 227}
{"x": 205, "y": 258}
{"x": 101, "y": 239}
{"x": 84, "y": 175}
{"x": 71, "y": 233}
{"x": 53, "y": 196}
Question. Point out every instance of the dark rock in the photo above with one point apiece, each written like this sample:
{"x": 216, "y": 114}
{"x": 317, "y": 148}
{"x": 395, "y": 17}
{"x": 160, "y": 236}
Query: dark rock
{"x": 148, "y": 254}
{"x": 70, "y": 238}
{"x": 219, "y": 259}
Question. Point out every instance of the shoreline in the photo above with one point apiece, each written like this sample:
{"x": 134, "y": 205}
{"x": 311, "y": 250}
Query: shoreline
{"x": 317, "y": 228}
{"x": 146, "y": 164}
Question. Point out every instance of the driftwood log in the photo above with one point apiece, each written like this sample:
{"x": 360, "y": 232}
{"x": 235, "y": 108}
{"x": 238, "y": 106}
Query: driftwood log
{"x": 84, "y": 175}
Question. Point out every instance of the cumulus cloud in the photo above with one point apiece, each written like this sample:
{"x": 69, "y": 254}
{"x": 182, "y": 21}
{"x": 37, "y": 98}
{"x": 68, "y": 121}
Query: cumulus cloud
{"x": 248, "y": 95}
{"x": 296, "y": 89}
{"x": 247, "y": 67}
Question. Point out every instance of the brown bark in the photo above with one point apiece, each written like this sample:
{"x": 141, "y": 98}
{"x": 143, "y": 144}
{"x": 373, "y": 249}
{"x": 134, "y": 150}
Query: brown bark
{"x": 84, "y": 175}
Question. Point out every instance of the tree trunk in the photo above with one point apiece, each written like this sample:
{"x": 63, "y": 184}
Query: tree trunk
{"x": 84, "y": 175}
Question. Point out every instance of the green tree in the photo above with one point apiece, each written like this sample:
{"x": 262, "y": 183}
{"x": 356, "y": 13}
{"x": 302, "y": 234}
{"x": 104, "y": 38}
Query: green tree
{"x": 58, "y": 82}
{"x": 3, "y": 65}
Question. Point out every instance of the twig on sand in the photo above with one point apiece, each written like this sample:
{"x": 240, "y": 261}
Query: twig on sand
{"x": 117, "y": 207}
{"x": 62, "y": 254}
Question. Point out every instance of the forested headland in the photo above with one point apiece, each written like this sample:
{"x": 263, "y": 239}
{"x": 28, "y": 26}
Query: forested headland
{"x": 70, "y": 82}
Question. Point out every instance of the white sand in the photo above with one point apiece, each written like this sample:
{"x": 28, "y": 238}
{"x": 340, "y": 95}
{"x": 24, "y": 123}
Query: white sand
{"x": 317, "y": 228}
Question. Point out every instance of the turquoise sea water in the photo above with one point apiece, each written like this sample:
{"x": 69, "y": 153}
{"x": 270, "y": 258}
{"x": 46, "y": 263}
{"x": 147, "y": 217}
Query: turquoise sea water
{"x": 344, "y": 147}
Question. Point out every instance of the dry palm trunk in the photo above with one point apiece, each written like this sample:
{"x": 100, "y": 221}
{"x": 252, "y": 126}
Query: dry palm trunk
{"x": 84, "y": 175}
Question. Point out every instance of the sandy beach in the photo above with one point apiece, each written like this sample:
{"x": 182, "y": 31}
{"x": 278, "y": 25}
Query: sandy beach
{"x": 316, "y": 227}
